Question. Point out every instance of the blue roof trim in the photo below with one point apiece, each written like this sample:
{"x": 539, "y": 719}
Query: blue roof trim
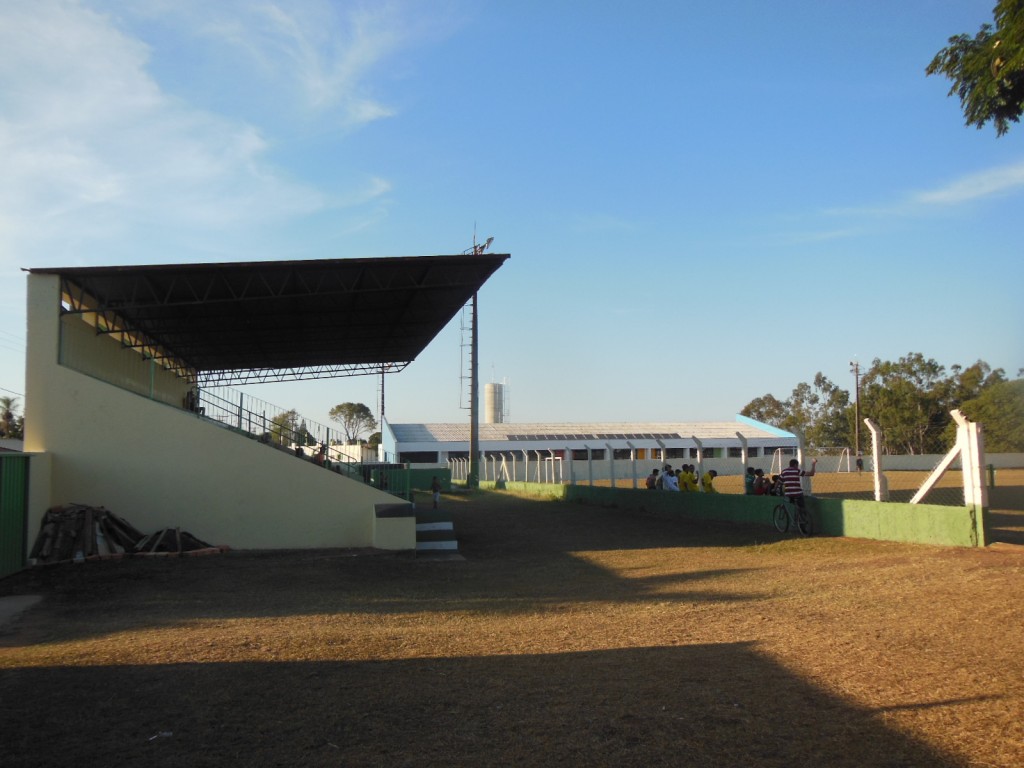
{"x": 766, "y": 427}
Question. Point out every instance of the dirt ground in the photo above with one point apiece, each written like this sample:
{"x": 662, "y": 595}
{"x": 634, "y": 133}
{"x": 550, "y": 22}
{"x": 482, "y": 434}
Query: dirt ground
{"x": 568, "y": 634}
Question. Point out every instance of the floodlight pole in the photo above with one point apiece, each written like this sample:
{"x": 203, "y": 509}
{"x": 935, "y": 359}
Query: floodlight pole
{"x": 855, "y": 370}
{"x": 473, "y": 476}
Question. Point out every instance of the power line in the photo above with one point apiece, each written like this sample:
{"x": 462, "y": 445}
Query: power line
{"x": 19, "y": 394}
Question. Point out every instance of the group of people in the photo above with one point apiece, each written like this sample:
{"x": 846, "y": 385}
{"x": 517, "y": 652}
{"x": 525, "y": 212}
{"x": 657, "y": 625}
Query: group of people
{"x": 787, "y": 483}
{"x": 682, "y": 479}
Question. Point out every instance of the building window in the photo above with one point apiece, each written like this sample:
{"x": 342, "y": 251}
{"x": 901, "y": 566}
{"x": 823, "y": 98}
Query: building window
{"x": 675, "y": 453}
{"x": 622, "y": 453}
{"x": 579, "y": 454}
{"x": 597, "y": 454}
{"x": 735, "y": 453}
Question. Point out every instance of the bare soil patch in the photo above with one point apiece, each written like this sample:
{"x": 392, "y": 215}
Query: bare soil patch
{"x": 569, "y": 634}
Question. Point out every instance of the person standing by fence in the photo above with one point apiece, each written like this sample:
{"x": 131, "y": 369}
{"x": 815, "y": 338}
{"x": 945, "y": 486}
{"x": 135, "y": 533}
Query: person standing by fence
{"x": 792, "y": 486}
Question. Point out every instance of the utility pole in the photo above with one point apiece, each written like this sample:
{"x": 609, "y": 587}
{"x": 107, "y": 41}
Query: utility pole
{"x": 855, "y": 370}
{"x": 473, "y": 476}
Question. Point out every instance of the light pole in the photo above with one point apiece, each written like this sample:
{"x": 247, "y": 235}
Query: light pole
{"x": 855, "y": 370}
{"x": 473, "y": 477}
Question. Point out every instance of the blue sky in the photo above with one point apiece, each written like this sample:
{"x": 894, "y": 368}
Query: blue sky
{"x": 705, "y": 202}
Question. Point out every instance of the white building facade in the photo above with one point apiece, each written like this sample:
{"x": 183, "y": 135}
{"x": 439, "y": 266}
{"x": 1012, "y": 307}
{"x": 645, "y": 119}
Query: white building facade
{"x": 558, "y": 452}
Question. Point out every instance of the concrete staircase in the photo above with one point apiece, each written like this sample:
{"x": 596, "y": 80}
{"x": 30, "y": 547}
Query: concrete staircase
{"x": 435, "y": 536}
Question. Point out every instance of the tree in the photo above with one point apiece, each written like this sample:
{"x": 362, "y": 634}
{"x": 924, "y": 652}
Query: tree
{"x": 987, "y": 71}
{"x": 10, "y": 424}
{"x": 819, "y": 411}
{"x": 766, "y": 409}
{"x": 303, "y": 436}
{"x": 283, "y": 427}
{"x": 355, "y": 419}
{"x": 832, "y": 417}
{"x": 910, "y": 400}
{"x": 905, "y": 400}
{"x": 1000, "y": 411}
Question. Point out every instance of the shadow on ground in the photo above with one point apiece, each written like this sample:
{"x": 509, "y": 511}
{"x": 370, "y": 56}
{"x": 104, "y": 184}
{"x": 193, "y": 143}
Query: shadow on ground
{"x": 703, "y": 705}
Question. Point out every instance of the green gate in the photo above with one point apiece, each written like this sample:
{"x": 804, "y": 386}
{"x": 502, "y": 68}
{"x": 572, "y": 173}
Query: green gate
{"x": 13, "y": 511}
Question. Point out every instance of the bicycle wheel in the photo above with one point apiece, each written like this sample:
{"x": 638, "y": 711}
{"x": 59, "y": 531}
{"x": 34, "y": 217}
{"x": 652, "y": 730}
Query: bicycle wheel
{"x": 803, "y": 521}
{"x": 780, "y": 515}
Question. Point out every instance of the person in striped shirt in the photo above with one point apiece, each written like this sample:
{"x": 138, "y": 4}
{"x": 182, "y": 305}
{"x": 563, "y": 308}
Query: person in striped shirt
{"x": 792, "y": 488}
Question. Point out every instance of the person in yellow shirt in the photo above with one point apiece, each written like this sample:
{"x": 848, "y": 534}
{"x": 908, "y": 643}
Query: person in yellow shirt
{"x": 687, "y": 480}
{"x": 707, "y": 482}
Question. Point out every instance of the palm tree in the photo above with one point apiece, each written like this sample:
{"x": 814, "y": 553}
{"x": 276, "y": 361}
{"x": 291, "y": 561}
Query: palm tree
{"x": 9, "y": 422}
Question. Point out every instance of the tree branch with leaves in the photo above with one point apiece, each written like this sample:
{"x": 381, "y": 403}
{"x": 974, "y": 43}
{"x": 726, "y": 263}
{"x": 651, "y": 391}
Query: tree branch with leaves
{"x": 987, "y": 70}
{"x": 355, "y": 419}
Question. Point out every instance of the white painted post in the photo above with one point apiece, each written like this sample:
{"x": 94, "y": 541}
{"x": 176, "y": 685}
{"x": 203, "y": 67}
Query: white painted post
{"x": 744, "y": 455}
{"x": 572, "y": 465}
{"x": 526, "y": 466}
{"x": 611, "y": 464}
{"x": 632, "y": 459}
{"x": 881, "y": 483}
{"x": 972, "y": 459}
{"x": 700, "y": 463}
{"x": 590, "y": 466}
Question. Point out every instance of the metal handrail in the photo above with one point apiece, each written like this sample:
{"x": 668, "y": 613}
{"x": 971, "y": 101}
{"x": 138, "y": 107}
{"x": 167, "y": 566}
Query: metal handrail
{"x": 248, "y": 415}
{"x": 263, "y": 421}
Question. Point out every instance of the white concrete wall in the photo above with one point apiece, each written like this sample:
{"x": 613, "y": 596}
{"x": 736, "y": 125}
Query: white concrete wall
{"x": 160, "y": 466}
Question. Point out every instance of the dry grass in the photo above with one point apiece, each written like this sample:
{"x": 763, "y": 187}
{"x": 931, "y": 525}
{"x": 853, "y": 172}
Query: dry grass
{"x": 569, "y": 635}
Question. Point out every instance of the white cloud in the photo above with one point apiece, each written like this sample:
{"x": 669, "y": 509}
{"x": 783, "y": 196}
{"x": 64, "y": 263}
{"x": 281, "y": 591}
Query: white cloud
{"x": 95, "y": 155}
{"x": 976, "y": 186}
{"x": 317, "y": 54}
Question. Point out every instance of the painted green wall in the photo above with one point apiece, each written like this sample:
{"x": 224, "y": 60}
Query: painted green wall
{"x": 912, "y": 523}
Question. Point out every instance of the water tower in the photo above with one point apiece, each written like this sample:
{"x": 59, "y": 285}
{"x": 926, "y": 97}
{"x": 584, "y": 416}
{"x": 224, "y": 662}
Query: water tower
{"x": 494, "y": 403}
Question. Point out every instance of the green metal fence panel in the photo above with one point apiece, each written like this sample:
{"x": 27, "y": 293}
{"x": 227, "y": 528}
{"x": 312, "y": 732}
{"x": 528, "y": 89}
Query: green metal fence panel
{"x": 13, "y": 511}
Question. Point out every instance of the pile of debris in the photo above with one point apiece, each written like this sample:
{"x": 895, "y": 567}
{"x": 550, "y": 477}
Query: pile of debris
{"x": 78, "y": 532}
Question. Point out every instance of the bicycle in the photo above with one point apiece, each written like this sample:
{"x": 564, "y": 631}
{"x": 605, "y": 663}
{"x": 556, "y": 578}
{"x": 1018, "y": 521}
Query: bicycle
{"x": 787, "y": 512}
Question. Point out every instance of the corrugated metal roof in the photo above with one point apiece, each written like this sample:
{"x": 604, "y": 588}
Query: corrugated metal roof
{"x": 277, "y": 320}
{"x": 593, "y": 432}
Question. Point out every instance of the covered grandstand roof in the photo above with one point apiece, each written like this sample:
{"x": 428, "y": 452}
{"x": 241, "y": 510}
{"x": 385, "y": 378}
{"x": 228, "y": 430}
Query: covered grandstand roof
{"x": 275, "y": 320}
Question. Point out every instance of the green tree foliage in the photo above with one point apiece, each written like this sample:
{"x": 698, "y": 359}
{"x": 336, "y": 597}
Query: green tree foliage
{"x": 818, "y": 411}
{"x": 11, "y": 425}
{"x": 904, "y": 399}
{"x": 284, "y": 427}
{"x": 987, "y": 70}
{"x": 355, "y": 419}
{"x": 303, "y": 435}
{"x": 766, "y": 409}
{"x": 910, "y": 400}
{"x": 1000, "y": 410}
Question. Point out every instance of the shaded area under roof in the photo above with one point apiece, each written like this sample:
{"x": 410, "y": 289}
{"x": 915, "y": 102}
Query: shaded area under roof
{"x": 259, "y": 321}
